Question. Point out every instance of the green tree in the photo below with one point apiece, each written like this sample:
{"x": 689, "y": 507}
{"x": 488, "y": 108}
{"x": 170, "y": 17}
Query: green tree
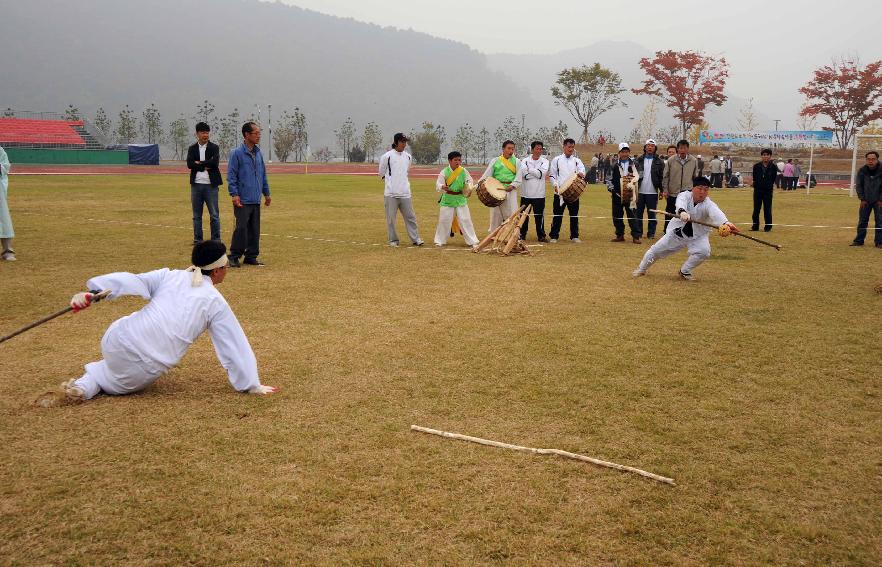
{"x": 103, "y": 123}
{"x": 345, "y": 136}
{"x": 283, "y": 140}
{"x": 514, "y": 130}
{"x": 126, "y": 126}
{"x": 179, "y": 136}
{"x": 371, "y": 140}
{"x": 229, "y": 133}
{"x": 482, "y": 143}
{"x": 205, "y": 112}
{"x": 464, "y": 141}
{"x": 357, "y": 154}
{"x": 151, "y": 125}
{"x": 301, "y": 136}
{"x": 426, "y": 145}
{"x": 72, "y": 113}
{"x": 587, "y": 92}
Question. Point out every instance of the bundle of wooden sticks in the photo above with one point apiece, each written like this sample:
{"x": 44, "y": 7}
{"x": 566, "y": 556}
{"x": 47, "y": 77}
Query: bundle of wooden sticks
{"x": 506, "y": 239}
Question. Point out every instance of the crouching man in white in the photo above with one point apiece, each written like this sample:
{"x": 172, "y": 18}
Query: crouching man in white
{"x": 141, "y": 347}
{"x": 681, "y": 233}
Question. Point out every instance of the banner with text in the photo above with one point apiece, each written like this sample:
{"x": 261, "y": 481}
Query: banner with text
{"x": 783, "y": 137}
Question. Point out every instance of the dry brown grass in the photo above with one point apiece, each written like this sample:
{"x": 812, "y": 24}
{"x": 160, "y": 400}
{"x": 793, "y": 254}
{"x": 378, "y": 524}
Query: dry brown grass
{"x": 757, "y": 388}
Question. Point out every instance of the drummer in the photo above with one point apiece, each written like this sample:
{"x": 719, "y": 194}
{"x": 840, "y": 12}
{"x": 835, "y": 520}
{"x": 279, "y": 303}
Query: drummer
{"x": 451, "y": 182}
{"x": 562, "y": 168}
{"x": 505, "y": 170}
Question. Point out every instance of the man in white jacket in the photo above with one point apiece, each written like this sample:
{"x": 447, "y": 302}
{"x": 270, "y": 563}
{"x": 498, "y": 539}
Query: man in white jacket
{"x": 394, "y": 167}
{"x": 682, "y": 233}
{"x": 141, "y": 347}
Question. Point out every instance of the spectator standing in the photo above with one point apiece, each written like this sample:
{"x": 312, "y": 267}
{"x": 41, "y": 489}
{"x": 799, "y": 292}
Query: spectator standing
{"x": 203, "y": 159}
{"x": 779, "y": 180}
{"x": 6, "y": 232}
{"x": 247, "y": 183}
{"x": 716, "y": 171}
{"x": 788, "y": 176}
{"x": 651, "y": 170}
{"x": 765, "y": 174}
{"x": 727, "y": 168}
{"x": 700, "y": 166}
{"x": 797, "y": 173}
{"x": 678, "y": 175}
{"x": 869, "y": 191}
{"x": 394, "y": 168}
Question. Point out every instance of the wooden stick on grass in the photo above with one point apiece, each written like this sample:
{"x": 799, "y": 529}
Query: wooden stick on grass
{"x": 558, "y": 452}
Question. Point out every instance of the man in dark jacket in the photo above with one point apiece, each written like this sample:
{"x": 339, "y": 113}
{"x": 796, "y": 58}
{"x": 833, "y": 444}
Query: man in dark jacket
{"x": 765, "y": 173}
{"x": 869, "y": 191}
{"x": 650, "y": 186}
{"x": 205, "y": 178}
{"x": 621, "y": 209}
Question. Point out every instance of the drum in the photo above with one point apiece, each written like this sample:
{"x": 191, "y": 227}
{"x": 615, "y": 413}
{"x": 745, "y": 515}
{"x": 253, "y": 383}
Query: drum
{"x": 572, "y": 188}
{"x": 491, "y": 192}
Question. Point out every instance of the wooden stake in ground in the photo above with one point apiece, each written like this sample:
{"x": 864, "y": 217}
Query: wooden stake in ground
{"x": 493, "y": 235}
{"x": 672, "y": 215}
{"x": 568, "y": 455}
{"x": 95, "y": 299}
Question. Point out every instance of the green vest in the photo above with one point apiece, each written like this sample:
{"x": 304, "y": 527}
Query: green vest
{"x": 502, "y": 173}
{"x": 448, "y": 200}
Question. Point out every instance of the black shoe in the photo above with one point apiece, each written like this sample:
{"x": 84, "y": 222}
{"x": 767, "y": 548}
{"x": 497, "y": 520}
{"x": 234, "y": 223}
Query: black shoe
{"x": 767, "y": 229}
{"x": 234, "y": 262}
{"x": 879, "y": 246}
{"x": 856, "y": 244}
{"x": 754, "y": 228}
{"x": 253, "y": 262}
{"x": 543, "y": 239}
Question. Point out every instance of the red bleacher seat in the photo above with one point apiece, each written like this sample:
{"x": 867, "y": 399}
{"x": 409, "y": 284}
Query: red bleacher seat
{"x": 22, "y": 131}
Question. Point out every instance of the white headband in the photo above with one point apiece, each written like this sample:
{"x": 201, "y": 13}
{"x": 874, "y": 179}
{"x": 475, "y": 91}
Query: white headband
{"x": 197, "y": 274}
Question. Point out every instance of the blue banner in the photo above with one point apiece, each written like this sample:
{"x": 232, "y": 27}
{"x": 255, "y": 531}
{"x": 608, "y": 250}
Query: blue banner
{"x": 783, "y": 137}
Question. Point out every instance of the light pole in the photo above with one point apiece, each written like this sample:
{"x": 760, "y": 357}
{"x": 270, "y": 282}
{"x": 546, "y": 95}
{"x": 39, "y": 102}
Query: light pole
{"x": 269, "y": 120}
{"x": 776, "y": 129}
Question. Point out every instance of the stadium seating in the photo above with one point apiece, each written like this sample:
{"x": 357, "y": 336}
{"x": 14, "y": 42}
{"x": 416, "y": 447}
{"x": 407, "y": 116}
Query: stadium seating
{"x": 22, "y": 132}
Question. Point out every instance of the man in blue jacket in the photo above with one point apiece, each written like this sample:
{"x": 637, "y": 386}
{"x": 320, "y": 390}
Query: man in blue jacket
{"x": 246, "y": 180}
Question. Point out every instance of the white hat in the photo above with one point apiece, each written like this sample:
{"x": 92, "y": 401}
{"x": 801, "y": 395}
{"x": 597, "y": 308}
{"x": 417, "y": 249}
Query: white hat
{"x": 650, "y": 141}
{"x": 623, "y": 146}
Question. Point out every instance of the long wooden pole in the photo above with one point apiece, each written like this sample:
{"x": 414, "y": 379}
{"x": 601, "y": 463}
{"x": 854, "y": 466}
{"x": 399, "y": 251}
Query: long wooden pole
{"x": 516, "y": 231}
{"x": 672, "y": 215}
{"x": 536, "y": 451}
{"x": 95, "y": 299}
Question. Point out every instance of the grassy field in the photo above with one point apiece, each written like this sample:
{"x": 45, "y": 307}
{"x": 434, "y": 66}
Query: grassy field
{"x": 756, "y": 387}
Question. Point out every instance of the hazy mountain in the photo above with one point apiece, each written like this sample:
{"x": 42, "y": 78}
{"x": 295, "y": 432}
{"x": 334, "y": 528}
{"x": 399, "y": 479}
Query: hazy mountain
{"x": 238, "y": 53}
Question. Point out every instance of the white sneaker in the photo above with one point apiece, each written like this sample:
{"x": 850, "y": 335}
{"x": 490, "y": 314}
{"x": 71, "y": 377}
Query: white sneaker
{"x": 577, "y": 241}
{"x": 393, "y": 244}
{"x": 553, "y": 240}
{"x": 439, "y": 245}
{"x": 687, "y": 276}
{"x": 9, "y": 256}
{"x": 638, "y": 272}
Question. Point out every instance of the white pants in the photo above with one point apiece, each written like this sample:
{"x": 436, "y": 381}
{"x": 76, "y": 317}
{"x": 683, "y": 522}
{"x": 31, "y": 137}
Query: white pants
{"x": 445, "y": 219}
{"x": 121, "y": 371}
{"x": 699, "y": 251}
{"x": 505, "y": 210}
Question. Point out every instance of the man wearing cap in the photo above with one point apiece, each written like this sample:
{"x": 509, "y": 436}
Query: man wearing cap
{"x": 651, "y": 169}
{"x": 623, "y": 168}
{"x": 141, "y": 347}
{"x": 562, "y": 168}
{"x": 505, "y": 170}
{"x": 394, "y": 167}
{"x": 680, "y": 170}
{"x": 682, "y": 233}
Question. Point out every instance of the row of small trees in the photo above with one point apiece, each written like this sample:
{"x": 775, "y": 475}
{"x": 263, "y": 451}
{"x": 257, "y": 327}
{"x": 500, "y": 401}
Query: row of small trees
{"x": 688, "y": 82}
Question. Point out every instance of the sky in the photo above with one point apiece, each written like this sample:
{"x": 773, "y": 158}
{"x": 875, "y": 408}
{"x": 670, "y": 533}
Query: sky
{"x": 771, "y": 46}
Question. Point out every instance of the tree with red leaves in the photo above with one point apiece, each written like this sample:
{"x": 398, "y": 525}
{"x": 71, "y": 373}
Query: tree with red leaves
{"x": 687, "y": 82}
{"x": 847, "y": 93}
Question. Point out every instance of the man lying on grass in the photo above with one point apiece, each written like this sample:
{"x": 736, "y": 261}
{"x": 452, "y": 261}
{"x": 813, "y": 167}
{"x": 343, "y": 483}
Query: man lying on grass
{"x": 141, "y": 347}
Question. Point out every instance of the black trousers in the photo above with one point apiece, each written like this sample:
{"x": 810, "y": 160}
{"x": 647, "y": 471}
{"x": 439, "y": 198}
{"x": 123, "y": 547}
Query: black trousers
{"x": 716, "y": 180}
{"x": 557, "y": 220}
{"x": 538, "y": 214}
{"x": 621, "y": 210}
{"x": 762, "y": 199}
{"x": 864, "y": 221}
{"x": 246, "y": 235}
{"x": 670, "y": 207}
{"x": 646, "y": 202}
